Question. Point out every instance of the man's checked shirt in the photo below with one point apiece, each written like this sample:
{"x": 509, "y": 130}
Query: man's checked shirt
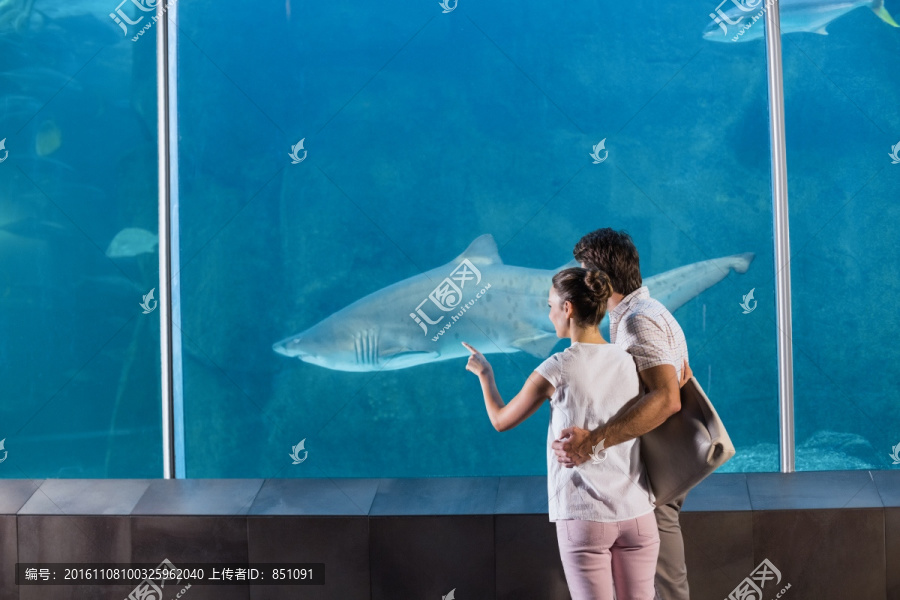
{"x": 648, "y": 331}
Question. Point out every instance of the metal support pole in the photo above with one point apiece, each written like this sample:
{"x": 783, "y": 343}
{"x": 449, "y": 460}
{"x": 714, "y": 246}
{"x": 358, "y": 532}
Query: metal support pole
{"x": 169, "y": 280}
{"x": 782, "y": 237}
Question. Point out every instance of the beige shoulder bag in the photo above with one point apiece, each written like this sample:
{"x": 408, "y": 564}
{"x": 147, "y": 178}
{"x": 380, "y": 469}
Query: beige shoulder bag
{"x": 690, "y": 445}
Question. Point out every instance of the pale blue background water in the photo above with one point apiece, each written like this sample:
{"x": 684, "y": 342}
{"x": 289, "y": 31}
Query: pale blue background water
{"x": 425, "y": 130}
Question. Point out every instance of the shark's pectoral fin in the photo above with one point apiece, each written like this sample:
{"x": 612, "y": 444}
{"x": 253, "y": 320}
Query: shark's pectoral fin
{"x": 741, "y": 262}
{"x": 394, "y": 352}
{"x": 540, "y": 344}
{"x": 403, "y": 355}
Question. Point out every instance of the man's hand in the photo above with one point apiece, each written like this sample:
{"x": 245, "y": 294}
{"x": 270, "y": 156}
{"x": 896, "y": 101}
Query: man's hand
{"x": 573, "y": 446}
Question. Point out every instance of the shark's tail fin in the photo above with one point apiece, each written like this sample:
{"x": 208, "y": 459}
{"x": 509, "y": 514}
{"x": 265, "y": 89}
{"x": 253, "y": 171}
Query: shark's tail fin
{"x": 741, "y": 262}
{"x": 879, "y": 9}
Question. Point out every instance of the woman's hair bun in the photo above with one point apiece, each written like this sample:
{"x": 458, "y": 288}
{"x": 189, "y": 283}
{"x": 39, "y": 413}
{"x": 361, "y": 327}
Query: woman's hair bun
{"x": 587, "y": 289}
{"x": 599, "y": 284}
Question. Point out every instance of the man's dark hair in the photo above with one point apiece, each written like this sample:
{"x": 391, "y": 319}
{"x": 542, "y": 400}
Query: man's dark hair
{"x": 614, "y": 253}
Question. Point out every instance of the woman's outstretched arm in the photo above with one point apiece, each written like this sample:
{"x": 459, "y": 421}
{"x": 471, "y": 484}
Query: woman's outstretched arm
{"x": 527, "y": 401}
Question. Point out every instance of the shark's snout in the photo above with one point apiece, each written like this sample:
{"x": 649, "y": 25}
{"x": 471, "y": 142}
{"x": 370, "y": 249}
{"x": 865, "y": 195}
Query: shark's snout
{"x": 312, "y": 347}
{"x": 291, "y": 347}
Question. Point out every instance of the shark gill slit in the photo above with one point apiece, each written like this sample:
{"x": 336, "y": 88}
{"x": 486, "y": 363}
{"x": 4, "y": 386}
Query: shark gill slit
{"x": 367, "y": 348}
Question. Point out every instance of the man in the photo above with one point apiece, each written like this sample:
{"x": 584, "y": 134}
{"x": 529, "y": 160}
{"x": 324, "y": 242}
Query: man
{"x": 649, "y": 332}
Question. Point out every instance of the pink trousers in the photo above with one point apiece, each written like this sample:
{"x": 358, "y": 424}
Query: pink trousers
{"x": 598, "y": 556}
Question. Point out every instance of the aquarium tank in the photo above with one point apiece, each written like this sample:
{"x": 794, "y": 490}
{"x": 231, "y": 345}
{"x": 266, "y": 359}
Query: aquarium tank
{"x": 360, "y": 187}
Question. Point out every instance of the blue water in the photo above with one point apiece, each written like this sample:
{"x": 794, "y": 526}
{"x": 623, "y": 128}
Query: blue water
{"x": 424, "y": 130}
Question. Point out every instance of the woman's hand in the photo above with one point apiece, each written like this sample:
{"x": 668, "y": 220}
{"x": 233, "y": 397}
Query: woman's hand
{"x": 477, "y": 364}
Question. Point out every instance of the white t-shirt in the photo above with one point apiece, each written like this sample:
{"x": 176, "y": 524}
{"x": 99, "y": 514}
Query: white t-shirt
{"x": 593, "y": 383}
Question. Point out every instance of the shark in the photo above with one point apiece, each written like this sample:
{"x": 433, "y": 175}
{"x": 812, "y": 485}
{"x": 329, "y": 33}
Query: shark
{"x": 743, "y": 24}
{"x": 132, "y": 241}
{"x": 476, "y": 298}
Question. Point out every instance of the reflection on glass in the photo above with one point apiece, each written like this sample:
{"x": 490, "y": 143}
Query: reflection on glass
{"x": 79, "y": 362}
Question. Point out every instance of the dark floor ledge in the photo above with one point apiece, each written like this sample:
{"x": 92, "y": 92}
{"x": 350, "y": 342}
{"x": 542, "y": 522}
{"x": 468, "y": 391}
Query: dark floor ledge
{"x": 425, "y": 496}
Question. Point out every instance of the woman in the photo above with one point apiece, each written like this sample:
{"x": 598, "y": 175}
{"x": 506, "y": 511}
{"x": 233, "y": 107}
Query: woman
{"x": 603, "y": 509}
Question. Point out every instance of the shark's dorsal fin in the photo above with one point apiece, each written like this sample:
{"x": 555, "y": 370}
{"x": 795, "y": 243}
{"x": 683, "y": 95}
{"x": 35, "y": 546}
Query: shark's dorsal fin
{"x": 821, "y": 30}
{"x": 569, "y": 265}
{"x": 482, "y": 251}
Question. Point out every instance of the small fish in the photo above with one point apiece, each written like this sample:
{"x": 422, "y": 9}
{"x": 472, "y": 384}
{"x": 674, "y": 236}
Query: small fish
{"x": 48, "y": 140}
{"x": 132, "y": 241}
